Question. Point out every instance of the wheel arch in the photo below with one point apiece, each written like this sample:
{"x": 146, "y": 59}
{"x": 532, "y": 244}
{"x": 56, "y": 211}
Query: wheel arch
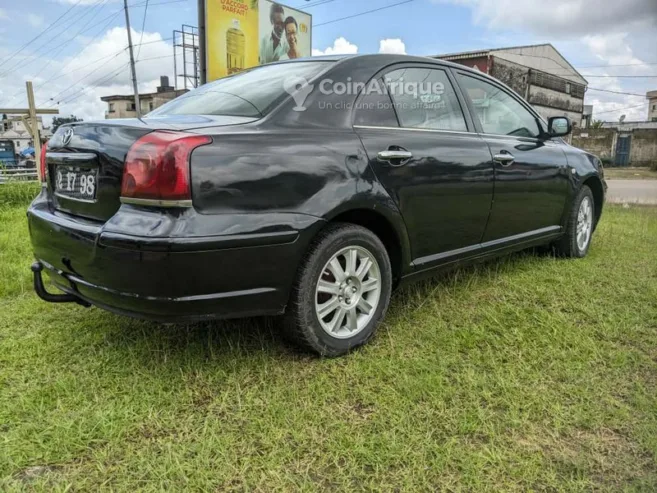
{"x": 595, "y": 184}
{"x": 388, "y": 226}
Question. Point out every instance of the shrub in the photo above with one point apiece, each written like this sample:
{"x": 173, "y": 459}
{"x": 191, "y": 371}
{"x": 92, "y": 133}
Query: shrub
{"x": 18, "y": 193}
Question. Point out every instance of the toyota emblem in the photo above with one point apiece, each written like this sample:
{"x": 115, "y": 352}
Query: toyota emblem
{"x": 68, "y": 135}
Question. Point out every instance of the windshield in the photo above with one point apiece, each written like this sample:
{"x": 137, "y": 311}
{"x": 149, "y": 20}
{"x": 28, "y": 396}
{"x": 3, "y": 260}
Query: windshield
{"x": 253, "y": 93}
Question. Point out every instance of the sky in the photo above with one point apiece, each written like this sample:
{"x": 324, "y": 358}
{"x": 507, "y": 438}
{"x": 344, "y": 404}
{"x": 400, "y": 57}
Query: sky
{"x": 82, "y": 56}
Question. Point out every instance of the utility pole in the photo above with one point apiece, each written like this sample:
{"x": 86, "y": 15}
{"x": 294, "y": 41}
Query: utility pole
{"x": 29, "y": 118}
{"x": 201, "y": 43}
{"x": 132, "y": 59}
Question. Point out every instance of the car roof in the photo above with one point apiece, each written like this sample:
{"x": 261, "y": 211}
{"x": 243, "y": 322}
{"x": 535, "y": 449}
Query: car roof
{"x": 386, "y": 59}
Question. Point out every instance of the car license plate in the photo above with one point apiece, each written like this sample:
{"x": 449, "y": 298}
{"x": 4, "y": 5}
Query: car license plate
{"x": 76, "y": 183}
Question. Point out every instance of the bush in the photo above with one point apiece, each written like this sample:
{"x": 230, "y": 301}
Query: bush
{"x": 18, "y": 193}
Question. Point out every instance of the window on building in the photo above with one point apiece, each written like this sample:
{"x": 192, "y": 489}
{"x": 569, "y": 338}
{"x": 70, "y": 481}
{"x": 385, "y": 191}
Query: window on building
{"x": 499, "y": 112}
{"x": 111, "y": 107}
{"x": 150, "y": 106}
{"x": 132, "y": 107}
{"x": 654, "y": 107}
{"x": 424, "y": 98}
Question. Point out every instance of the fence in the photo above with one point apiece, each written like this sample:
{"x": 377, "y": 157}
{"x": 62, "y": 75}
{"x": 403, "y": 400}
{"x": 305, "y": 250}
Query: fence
{"x": 18, "y": 174}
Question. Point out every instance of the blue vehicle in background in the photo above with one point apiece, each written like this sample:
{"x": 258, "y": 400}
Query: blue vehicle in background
{"x": 7, "y": 154}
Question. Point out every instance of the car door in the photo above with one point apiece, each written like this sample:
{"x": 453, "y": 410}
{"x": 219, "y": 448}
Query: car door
{"x": 423, "y": 148}
{"x": 531, "y": 170}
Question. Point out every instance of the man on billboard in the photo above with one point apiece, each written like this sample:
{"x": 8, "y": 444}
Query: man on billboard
{"x": 274, "y": 45}
{"x": 291, "y": 32}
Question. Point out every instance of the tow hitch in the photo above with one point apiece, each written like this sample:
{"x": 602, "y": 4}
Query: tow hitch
{"x": 37, "y": 268}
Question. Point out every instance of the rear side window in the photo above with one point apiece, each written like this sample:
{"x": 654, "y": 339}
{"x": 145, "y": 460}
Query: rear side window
{"x": 424, "y": 98}
{"x": 253, "y": 93}
{"x": 498, "y": 112}
{"x": 375, "y": 109}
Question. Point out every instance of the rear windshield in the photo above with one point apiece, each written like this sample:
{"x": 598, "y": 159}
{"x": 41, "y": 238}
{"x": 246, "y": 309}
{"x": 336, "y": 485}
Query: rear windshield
{"x": 253, "y": 93}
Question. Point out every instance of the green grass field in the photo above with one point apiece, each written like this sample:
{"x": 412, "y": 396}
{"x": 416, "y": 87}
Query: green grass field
{"x": 526, "y": 373}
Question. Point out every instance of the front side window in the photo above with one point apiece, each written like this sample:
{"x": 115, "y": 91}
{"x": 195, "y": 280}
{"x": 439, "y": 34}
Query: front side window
{"x": 424, "y": 98}
{"x": 252, "y": 93}
{"x": 498, "y": 112}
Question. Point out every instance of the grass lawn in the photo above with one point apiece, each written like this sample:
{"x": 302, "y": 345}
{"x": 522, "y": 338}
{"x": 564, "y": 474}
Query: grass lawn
{"x": 527, "y": 373}
{"x": 630, "y": 174}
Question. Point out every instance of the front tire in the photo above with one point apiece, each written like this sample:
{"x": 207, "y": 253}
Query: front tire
{"x": 341, "y": 293}
{"x": 581, "y": 223}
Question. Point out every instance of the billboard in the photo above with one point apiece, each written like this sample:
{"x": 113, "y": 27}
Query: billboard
{"x": 241, "y": 34}
{"x": 284, "y": 32}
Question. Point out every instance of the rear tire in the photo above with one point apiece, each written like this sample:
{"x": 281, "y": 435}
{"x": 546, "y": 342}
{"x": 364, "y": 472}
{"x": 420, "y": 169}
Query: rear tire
{"x": 576, "y": 241}
{"x": 341, "y": 293}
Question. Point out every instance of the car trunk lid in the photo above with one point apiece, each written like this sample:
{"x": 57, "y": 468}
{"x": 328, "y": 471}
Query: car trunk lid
{"x": 85, "y": 161}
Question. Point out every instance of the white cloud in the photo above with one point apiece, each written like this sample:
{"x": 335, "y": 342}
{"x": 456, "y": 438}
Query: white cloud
{"x": 615, "y": 35}
{"x": 3, "y": 14}
{"x": 613, "y": 48}
{"x": 75, "y": 84}
{"x": 561, "y": 17}
{"x": 395, "y": 46}
{"x": 34, "y": 20}
{"x": 340, "y": 47}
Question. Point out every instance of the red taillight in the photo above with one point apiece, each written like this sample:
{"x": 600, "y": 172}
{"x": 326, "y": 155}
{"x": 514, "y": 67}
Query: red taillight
{"x": 157, "y": 166}
{"x": 42, "y": 162}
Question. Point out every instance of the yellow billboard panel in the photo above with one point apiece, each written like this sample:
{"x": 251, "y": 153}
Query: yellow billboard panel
{"x": 241, "y": 34}
{"x": 231, "y": 31}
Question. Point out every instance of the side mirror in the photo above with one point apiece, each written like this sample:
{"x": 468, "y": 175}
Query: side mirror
{"x": 559, "y": 126}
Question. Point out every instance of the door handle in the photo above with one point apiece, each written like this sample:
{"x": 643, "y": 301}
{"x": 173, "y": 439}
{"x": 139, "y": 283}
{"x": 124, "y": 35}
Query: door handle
{"x": 401, "y": 155}
{"x": 504, "y": 158}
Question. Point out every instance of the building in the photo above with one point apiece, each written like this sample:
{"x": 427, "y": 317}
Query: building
{"x": 123, "y": 106}
{"x": 620, "y": 144}
{"x": 587, "y": 116}
{"x": 652, "y": 106}
{"x": 12, "y": 128}
{"x": 538, "y": 73}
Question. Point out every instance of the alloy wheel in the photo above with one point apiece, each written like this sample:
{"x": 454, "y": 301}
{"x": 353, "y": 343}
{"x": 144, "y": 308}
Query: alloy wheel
{"x": 348, "y": 292}
{"x": 584, "y": 224}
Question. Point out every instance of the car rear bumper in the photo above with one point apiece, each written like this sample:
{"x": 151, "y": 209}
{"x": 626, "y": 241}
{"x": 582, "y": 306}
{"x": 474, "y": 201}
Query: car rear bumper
{"x": 171, "y": 279}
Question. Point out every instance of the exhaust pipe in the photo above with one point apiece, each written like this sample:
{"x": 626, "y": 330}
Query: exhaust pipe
{"x": 40, "y": 289}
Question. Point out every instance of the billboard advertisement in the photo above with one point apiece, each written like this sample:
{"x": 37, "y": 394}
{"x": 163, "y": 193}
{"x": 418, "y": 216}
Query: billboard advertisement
{"x": 241, "y": 34}
{"x": 284, "y": 32}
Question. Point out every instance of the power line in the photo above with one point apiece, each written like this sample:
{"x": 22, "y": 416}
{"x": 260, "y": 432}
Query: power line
{"x": 96, "y": 61}
{"x": 36, "y": 53}
{"x": 52, "y": 99}
{"x": 616, "y": 92}
{"x": 363, "y": 13}
{"x": 63, "y": 45}
{"x": 51, "y": 26}
{"x": 622, "y": 76}
{"x": 41, "y": 33}
{"x": 620, "y": 109}
{"x": 315, "y": 4}
{"x": 143, "y": 24}
{"x": 101, "y": 80}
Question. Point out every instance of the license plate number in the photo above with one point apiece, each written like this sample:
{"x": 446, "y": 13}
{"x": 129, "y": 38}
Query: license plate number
{"x": 76, "y": 183}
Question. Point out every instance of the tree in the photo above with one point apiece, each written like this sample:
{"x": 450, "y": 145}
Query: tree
{"x": 58, "y": 121}
{"x": 597, "y": 124}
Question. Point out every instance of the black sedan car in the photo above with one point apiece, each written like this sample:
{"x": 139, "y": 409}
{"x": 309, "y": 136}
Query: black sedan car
{"x": 308, "y": 188}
